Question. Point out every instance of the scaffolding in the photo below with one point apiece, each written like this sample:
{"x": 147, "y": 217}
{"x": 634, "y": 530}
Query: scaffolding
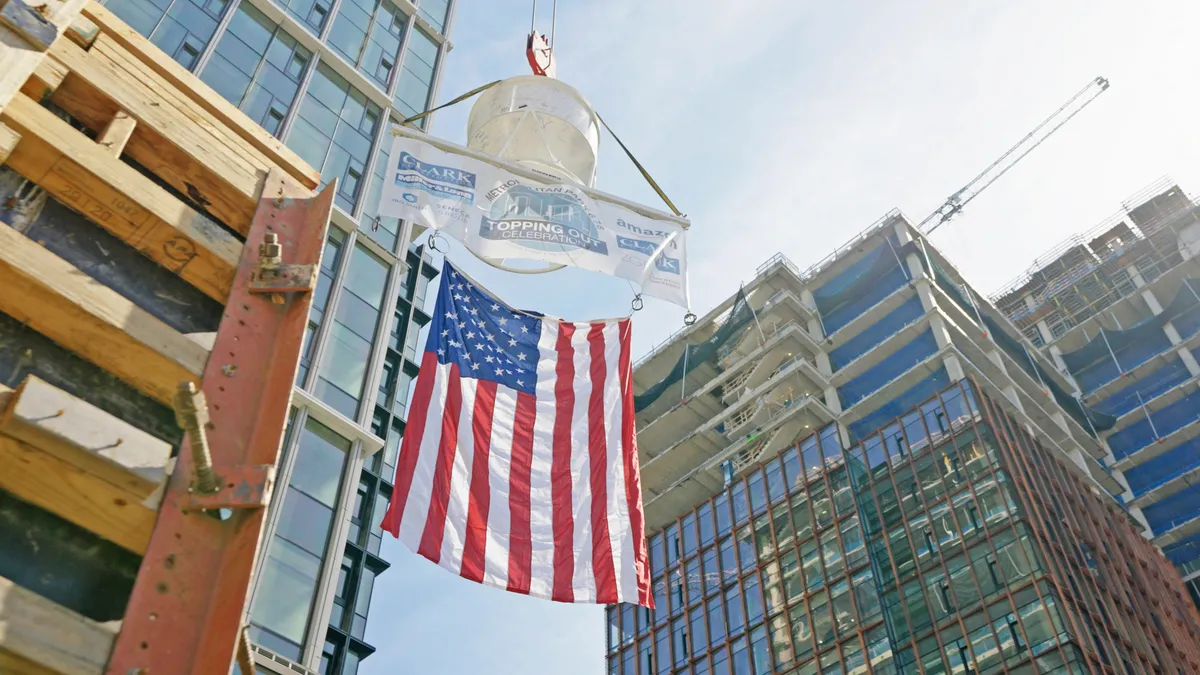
{"x": 1090, "y": 271}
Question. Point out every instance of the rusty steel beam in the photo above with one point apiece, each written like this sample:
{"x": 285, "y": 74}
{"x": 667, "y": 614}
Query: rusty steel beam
{"x": 185, "y": 614}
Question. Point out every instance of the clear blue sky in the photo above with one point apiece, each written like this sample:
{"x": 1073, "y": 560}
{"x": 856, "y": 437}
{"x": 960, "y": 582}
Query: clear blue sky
{"x": 790, "y": 125}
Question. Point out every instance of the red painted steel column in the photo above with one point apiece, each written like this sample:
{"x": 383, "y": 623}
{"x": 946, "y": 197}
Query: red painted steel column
{"x": 186, "y": 611}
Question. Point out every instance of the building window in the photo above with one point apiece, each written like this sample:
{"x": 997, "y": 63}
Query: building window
{"x": 341, "y": 596}
{"x": 368, "y": 34}
{"x": 344, "y": 365}
{"x": 435, "y": 11}
{"x": 311, "y": 13}
{"x": 257, "y": 67}
{"x": 316, "y": 315}
{"x": 385, "y": 230}
{"x": 415, "y": 83}
{"x": 333, "y": 133}
{"x": 362, "y": 602}
{"x": 284, "y": 599}
{"x": 181, "y": 28}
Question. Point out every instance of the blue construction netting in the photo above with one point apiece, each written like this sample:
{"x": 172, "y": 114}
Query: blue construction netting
{"x": 891, "y": 367}
{"x": 1092, "y": 420}
{"x": 1187, "y": 322}
{"x": 1169, "y": 513}
{"x": 1166, "y": 467}
{"x": 881, "y": 330}
{"x": 1161, "y": 423}
{"x": 740, "y": 316}
{"x": 1113, "y": 352}
{"x": 1184, "y": 551}
{"x": 911, "y": 398}
{"x": 1149, "y": 386}
{"x": 857, "y": 288}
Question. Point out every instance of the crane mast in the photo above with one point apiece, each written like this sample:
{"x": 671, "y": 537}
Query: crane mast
{"x": 955, "y": 203}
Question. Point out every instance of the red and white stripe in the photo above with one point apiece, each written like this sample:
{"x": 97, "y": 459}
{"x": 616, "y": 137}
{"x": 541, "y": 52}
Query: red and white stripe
{"x": 537, "y": 494}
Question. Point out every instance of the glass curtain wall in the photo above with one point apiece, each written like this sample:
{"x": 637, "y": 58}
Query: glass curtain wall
{"x": 929, "y": 547}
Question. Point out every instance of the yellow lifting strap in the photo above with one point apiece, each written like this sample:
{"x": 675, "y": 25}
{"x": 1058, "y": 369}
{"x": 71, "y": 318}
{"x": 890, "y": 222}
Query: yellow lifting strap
{"x": 460, "y": 99}
{"x": 642, "y": 169}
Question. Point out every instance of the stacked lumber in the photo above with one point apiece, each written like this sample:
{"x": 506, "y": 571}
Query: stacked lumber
{"x": 132, "y": 156}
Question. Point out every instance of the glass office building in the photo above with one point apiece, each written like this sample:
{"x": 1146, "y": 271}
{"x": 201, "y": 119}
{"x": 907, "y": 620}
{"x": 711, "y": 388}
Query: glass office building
{"x": 880, "y": 476}
{"x": 328, "y": 77}
{"x": 1117, "y": 307}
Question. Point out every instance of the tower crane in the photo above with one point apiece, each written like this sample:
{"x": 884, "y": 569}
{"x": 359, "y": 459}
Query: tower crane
{"x": 955, "y": 203}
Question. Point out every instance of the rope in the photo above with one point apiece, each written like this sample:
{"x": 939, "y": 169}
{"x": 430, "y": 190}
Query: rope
{"x": 642, "y": 169}
{"x": 460, "y": 99}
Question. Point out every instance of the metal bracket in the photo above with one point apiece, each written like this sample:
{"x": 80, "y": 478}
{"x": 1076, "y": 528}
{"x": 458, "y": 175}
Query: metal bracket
{"x": 241, "y": 487}
{"x": 274, "y": 277}
{"x": 29, "y": 23}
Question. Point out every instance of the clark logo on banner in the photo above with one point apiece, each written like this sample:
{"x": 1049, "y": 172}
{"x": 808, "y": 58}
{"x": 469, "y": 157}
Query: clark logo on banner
{"x": 499, "y": 215}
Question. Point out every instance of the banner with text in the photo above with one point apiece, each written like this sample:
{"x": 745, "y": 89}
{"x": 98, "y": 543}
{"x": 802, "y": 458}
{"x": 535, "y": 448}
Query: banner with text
{"x": 498, "y": 215}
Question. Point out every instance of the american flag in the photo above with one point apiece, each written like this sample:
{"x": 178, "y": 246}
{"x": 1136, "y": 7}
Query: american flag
{"x": 518, "y": 467}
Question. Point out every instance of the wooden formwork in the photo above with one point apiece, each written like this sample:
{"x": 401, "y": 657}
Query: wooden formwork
{"x": 152, "y": 235}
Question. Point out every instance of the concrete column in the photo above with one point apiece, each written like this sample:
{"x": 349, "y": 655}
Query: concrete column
{"x": 928, "y": 301}
{"x": 995, "y": 357}
{"x": 1056, "y": 357}
{"x": 844, "y": 434}
{"x": 940, "y": 333}
{"x": 902, "y": 233}
{"x": 1042, "y": 326}
{"x": 1080, "y": 461}
{"x": 814, "y": 324}
{"x": 1172, "y": 333}
{"x": 1010, "y": 392}
{"x": 1044, "y": 331}
{"x": 1189, "y": 361}
{"x": 1061, "y": 420}
{"x": 832, "y": 401}
{"x": 823, "y": 364}
{"x": 953, "y": 367}
{"x": 915, "y": 268}
{"x": 1152, "y": 302}
{"x": 814, "y": 329}
{"x": 1135, "y": 275}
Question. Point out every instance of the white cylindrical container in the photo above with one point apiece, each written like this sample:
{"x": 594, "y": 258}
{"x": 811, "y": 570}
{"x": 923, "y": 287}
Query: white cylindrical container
{"x": 540, "y": 123}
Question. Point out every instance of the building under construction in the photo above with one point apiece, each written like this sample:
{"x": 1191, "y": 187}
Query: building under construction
{"x": 864, "y": 467}
{"x": 1117, "y": 308}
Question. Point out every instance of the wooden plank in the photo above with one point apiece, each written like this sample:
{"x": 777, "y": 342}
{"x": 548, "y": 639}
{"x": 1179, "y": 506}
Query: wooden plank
{"x": 203, "y": 95}
{"x": 34, "y": 630}
{"x": 45, "y": 79}
{"x": 117, "y": 133}
{"x": 8, "y": 142}
{"x": 73, "y": 493}
{"x": 82, "y": 31}
{"x": 90, "y": 319}
{"x": 183, "y": 150}
{"x": 75, "y": 431}
{"x": 82, "y": 175}
{"x": 20, "y": 59}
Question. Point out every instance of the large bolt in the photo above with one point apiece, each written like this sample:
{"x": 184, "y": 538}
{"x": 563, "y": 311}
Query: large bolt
{"x": 191, "y": 412}
{"x": 270, "y": 253}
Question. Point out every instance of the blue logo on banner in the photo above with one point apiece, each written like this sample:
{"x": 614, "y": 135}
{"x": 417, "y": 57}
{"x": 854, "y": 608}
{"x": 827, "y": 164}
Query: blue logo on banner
{"x": 665, "y": 264}
{"x": 409, "y": 197}
{"x": 549, "y": 219}
{"x": 640, "y": 245}
{"x": 662, "y": 262}
{"x": 444, "y": 182}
